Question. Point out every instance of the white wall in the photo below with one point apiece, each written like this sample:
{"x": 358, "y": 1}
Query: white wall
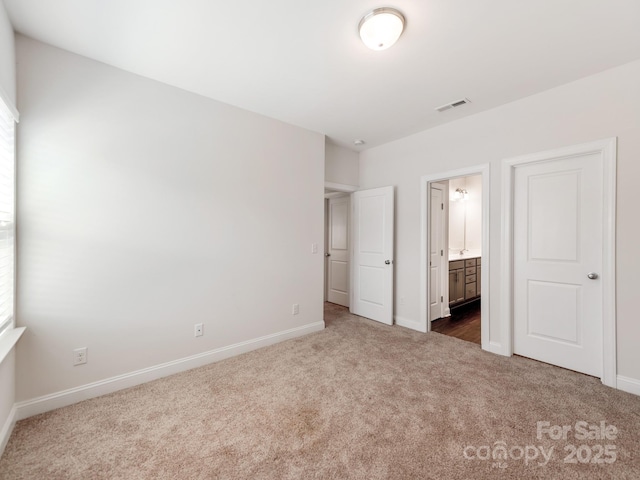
{"x": 8, "y": 87}
{"x": 474, "y": 212}
{"x": 601, "y": 106}
{"x": 7, "y": 56}
{"x": 145, "y": 209}
{"x": 465, "y": 216}
{"x": 341, "y": 165}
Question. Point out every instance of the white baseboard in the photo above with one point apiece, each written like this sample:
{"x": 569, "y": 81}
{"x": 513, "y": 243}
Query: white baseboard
{"x": 626, "y": 384}
{"x": 494, "y": 347}
{"x": 64, "y": 398}
{"x": 412, "y": 324}
{"x": 7, "y": 428}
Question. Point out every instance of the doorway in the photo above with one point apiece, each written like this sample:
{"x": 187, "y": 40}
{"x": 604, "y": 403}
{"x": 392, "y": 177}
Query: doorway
{"x": 455, "y": 257}
{"x": 337, "y": 243}
{"x": 337, "y": 251}
{"x": 456, "y": 252}
{"x": 461, "y": 285}
{"x": 361, "y": 227}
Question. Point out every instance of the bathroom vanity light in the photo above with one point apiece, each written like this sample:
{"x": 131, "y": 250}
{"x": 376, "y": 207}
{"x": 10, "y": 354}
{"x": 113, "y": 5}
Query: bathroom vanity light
{"x": 381, "y": 28}
{"x": 461, "y": 194}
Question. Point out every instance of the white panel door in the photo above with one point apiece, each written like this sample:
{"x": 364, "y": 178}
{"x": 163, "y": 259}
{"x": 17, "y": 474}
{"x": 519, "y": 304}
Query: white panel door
{"x": 558, "y": 242}
{"x": 436, "y": 251}
{"x": 372, "y": 294}
{"x": 338, "y": 251}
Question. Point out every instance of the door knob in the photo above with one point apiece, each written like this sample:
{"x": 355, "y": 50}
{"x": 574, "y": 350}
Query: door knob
{"x": 327, "y": 254}
{"x": 387, "y": 262}
{"x": 592, "y": 276}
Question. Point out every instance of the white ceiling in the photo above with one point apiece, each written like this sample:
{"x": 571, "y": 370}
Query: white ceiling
{"x": 302, "y": 61}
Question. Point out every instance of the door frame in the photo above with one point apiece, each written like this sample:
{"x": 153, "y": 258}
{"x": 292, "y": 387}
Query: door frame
{"x": 337, "y": 190}
{"x": 327, "y": 240}
{"x": 425, "y": 204}
{"x": 607, "y": 148}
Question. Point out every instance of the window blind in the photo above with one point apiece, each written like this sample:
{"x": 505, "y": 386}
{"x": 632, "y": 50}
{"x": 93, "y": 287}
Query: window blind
{"x": 7, "y": 216}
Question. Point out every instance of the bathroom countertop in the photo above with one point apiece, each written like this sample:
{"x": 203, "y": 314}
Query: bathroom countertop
{"x": 470, "y": 254}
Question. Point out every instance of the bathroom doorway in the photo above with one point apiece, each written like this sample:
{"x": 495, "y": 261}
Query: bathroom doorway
{"x": 462, "y": 238}
{"x": 455, "y": 239}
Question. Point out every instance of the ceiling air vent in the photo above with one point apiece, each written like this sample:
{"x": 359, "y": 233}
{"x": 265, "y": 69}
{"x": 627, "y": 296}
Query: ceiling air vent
{"x": 457, "y": 103}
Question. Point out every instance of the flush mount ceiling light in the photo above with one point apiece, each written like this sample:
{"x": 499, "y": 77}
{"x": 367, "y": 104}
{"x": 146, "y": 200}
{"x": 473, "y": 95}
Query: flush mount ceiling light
{"x": 381, "y": 28}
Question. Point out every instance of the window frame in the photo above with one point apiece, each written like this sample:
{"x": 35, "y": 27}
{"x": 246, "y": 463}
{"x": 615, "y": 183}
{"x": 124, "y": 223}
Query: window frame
{"x": 9, "y": 115}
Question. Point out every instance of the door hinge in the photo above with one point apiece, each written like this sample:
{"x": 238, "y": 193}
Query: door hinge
{"x": 441, "y": 253}
{"x": 442, "y": 206}
{"x": 441, "y": 298}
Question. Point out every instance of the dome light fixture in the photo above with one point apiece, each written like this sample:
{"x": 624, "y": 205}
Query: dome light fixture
{"x": 381, "y": 28}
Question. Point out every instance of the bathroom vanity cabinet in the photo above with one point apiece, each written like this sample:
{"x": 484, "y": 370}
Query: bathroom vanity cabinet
{"x": 464, "y": 280}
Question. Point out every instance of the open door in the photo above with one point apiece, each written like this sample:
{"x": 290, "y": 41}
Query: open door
{"x": 437, "y": 248}
{"x": 373, "y": 224}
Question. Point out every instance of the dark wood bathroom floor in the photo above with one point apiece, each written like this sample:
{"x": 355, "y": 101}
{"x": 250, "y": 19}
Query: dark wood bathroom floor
{"x": 464, "y": 323}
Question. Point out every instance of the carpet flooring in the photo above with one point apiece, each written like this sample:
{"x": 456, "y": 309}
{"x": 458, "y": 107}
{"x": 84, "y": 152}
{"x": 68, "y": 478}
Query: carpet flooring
{"x": 359, "y": 400}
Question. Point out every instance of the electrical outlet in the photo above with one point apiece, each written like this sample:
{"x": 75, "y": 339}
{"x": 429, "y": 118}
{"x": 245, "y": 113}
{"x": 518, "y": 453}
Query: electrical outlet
{"x": 198, "y": 329}
{"x": 295, "y": 309}
{"x": 80, "y": 356}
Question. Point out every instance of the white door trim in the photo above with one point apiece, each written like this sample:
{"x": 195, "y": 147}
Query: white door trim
{"x": 607, "y": 149}
{"x": 485, "y": 171}
{"x": 340, "y": 187}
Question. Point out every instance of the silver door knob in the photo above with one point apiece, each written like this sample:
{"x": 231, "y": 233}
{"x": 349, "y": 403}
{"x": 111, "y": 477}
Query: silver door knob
{"x": 387, "y": 262}
{"x": 327, "y": 254}
{"x": 592, "y": 276}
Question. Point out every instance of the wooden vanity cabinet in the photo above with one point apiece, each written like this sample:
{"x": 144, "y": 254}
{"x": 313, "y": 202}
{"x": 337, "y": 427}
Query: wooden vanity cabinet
{"x": 464, "y": 280}
{"x": 456, "y": 281}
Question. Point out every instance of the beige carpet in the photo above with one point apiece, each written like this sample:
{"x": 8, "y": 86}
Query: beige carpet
{"x": 358, "y": 400}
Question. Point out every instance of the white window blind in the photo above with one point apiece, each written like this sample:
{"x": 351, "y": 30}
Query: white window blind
{"x": 7, "y": 216}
